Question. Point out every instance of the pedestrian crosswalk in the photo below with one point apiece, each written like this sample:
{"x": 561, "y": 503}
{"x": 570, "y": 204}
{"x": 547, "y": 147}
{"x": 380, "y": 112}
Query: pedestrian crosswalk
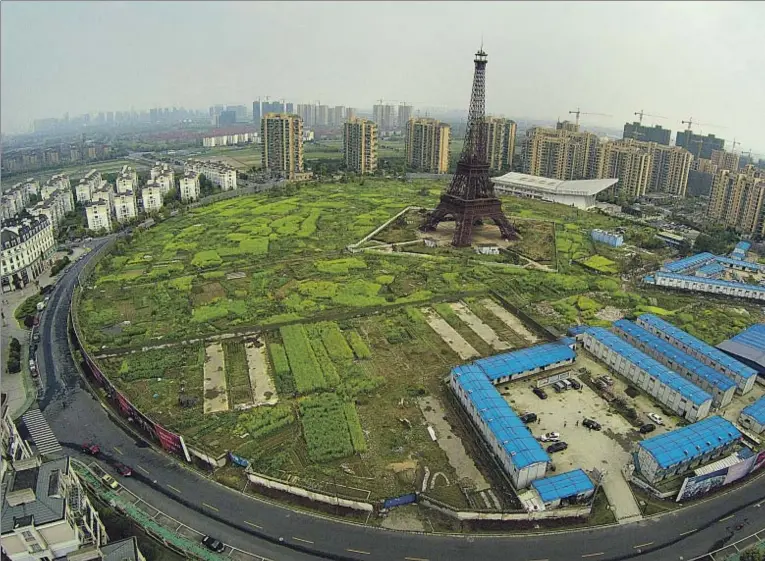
{"x": 41, "y": 433}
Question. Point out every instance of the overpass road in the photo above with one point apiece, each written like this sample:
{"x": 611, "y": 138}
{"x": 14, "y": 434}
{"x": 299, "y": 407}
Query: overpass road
{"x": 256, "y": 525}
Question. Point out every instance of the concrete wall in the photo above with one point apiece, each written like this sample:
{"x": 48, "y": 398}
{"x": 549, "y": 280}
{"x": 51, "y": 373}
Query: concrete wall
{"x": 300, "y": 492}
{"x": 569, "y": 512}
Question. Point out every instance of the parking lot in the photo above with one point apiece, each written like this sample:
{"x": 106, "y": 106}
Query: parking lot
{"x": 606, "y": 450}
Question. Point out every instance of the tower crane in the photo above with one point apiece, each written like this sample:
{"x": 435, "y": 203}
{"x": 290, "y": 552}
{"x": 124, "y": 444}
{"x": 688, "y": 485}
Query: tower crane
{"x": 642, "y": 114}
{"x": 578, "y": 112}
{"x": 733, "y": 145}
{"x": 690, "y": 121}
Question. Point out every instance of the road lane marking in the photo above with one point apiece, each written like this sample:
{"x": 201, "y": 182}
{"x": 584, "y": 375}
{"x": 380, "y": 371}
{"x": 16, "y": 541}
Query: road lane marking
{"x": 688, "y": 532}
{"x": 301, "y": 540}
{"x": 143, "y": 469}
{"x": 415, "y": 559}
{"x": 726, "y": 518}
{"x": 642, "y": 545}
{"x": 120, "y": 451}
{"x": 358, "y": 551}
{"x": 210, "y": 507}
{"x": 253, "y": 525}
{"x": 174, "y": 489}
{"x": 593, "y": 554}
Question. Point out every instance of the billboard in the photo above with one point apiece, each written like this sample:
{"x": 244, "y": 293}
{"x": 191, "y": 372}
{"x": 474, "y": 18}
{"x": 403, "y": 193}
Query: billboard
{"x": 759, "y": 461}
{"x": 695, "y": 487}
{"x": 741, "y": 469}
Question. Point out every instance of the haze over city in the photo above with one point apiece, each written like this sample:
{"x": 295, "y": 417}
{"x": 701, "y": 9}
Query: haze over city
{"x": 676, "y": 60}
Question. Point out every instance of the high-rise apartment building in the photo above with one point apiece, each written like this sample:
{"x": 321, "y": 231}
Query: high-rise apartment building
{"x": 427, "y": 145}
{"x": 638, "y": 131}
{"x": 699, "y": 146}
{"x": 256, "y": 112}
{"x": 500, "y": 142}
{"x": 385, "y": 116}
{"x": 350, "y": 113}
{"x": 737, "y": 199}
{"x": 560, "y": 153}
{"x": 322, "y": 115}
{"x": 567, "y": 126}
{"x": 360, "y": 145}
{"x": 628, "y": 162}
{"x": 725, "y": 160}
{"x": 289, "y": 107}
{"x": 226, "y": 118}
{"x": 404, "y": 114}
{"x": 271, "y": 107}
{"x": 670, "y": 166}
{"x": 338, "y": 116}
{"x": 282, "y": 136}
{"x": 307, "y": 112}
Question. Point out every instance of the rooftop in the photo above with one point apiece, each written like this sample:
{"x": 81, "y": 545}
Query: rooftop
{"x": 686, "y": 443}
{"x": 756, "y": 410}
{"x": 709, "y": 374}
{"x": 738, "y": 263}
{"x": 690, "y": 262}
{"x": 749, "y": 344}
{"x": 48, "y": 505}
{"x": 563, "y": 485}
{"x": 665, "y": 376}
{"x": 554, "y": 186}
{"x": 710, "y": 282}
{"x": 523, "y": 360}
{"x": 697, "y": 345}
{"x": 122, "y": 550}
{"x": 504, "y": 423}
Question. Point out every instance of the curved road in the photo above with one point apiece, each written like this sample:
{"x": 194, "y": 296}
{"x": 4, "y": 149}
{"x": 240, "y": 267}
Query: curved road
{"x": 254, "y": 525}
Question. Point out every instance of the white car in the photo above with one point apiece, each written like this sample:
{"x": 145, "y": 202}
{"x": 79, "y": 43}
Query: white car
{"x": 550, "y": 437}
{"x": 656, "y": 418}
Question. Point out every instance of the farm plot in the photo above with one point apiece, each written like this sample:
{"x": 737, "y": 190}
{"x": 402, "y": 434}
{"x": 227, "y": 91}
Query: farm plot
{"x": 326, "y": 427}
{"x": 263, "y": 389}
{"x": 303, "y": 363}
{"x": 510, "y": 320}
{"x": 238, "y": 380}
{"x": 449, "y": 335}
{"x": 481, "y": 329}
{"x": 216, "y": 394}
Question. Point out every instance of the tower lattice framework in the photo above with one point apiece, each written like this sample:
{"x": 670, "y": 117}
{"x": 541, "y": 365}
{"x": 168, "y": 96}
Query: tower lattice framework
{"x": 470, "y": 197}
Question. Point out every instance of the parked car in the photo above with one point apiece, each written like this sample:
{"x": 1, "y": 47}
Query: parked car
{"x": 91, "y": 448}
{"x": 109, "y": 481}
{"x": 656, "y": 419}
{"x": 556, "y": 447}
{"x": 567, "y": 383}
{"x": 607, "y": 380}
{"x": 646, "y": 428}
{"x": 550, "y": 437}
{"x": 123, "y": 470}
{"x": 576, "y": 384}
{"x": 591, "y": 424}
{"x": 529, "y": 417}
{"x": 212, "y": 544}
{"x": 540, "y": 393}
{"x": 559, "y": 386}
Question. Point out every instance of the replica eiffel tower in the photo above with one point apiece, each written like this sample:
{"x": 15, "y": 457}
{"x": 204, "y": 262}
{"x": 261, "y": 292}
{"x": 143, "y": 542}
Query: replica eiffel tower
{"x": 470, "y": 197}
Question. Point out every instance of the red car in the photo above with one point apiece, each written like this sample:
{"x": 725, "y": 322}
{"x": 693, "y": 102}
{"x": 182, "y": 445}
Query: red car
{"x": 123, "y": 470}
{"x": 90, "y": 448}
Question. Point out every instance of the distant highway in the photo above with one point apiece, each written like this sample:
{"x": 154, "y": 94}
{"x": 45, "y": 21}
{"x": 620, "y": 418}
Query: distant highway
{"x": 254, "y": 525}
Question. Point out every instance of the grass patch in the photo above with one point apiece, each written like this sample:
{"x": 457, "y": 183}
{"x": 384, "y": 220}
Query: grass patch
{"x": 600, "y": 264}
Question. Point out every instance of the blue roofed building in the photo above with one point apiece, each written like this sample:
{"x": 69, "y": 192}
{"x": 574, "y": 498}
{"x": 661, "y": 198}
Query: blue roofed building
{"x": 520, "y": 454}
{"x": 505, "y": 367}
{"x": 712, "y": 270}
{"x": 748, "y": 347}
{"x": 743, "y": 375}
{"x": 688, "y": 264}
{"x": 739, "y": 264}
{"x": 752, "y": 417}
{"x": 739, "y": 252}
{"x": 676, "y": 452}
{"x": 719, "y": 386}
{"x": 669, "y": 388}
{"x": 564, "y": 488}
{"x": 713, "y": 286}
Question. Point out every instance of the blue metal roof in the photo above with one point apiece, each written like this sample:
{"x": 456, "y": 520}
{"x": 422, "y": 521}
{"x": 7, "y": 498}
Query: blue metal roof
{"x": 754, "y": 337}
{"x": 684, "y": 444}
{"x": 742, "y": 246}
{"x": 709, "y": 374}
{"x": 715, "y": 355}
{"x": 523, "y": 360}
{"x": 518, "y": 442}
{"x": 710, "y": 269}
{"x": 739, "y": 263}
{"x": 653, "y": 367}
{"x": 712, "y": 282}
{"x": 563, "y": 485}
{"x": 688, "y": 262}
{"x": 756, "y": 410}
{"x": 577, "y": 330}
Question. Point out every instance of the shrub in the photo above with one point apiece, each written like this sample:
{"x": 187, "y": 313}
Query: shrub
{"x": 58, "y": 265}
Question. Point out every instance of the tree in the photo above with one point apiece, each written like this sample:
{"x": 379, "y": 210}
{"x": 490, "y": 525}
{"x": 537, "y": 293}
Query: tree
{"x": 751, "y": 555}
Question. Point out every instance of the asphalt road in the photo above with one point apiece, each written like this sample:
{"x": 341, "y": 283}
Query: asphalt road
{"x": 253, "y": 525}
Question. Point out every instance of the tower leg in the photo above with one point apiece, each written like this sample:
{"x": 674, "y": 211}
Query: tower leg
{"x": 505, "y": 228}
{"x": 433, "y": 219}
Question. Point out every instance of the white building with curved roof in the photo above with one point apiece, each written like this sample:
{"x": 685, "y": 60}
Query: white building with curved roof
{"x": 577, "y": 193}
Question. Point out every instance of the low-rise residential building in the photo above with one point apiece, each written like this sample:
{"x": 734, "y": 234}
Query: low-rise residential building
{"x": 713, "y": 286}
{"x": 46, "y": 513}
{"x": 127, "y": 180}
{"x": 608, "y": 238}
{"x": 230, "y": 139}
{"x": 14, "y": 447}
{"x": 152, "y": 197}
{"x": 218, "y": 173}
{"x": 55, "y": 183}
{"x": 189, "y": 187}
{"x": 17, "y": 198}
{"x": 681, "y": 450}
{"x": 27, "y": 245}
{"x": 99, "y": 215}
{"x": 164, "y": 176}
{"x": 752, "y": 417}
{"x": 125, "y": 206}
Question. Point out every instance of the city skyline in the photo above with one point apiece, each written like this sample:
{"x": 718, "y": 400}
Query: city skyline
{"x": 609, "y": 68}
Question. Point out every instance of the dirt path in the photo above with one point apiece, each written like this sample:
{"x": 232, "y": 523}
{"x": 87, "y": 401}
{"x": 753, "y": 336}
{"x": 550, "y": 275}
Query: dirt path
{"x": 449, "y": 442}
{"x": 510, "y": 320}
{"x": 263, "y": 389}
{"x": 481, "y": 329}
{"x": 216, "y": 396}
{"x": 449, "y": 335}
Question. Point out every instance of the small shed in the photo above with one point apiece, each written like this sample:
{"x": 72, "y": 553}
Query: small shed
{"x": 752, "y": 417}
{"x": 564, "y": 488}
{"x": 487, "y": 249}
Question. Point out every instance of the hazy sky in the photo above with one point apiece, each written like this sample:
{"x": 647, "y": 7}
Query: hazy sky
{"x": 677, "y": 60}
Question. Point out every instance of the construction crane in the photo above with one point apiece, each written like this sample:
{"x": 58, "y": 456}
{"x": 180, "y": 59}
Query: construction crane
{"x": 689, "y": 122}
{"x": 642, "y": 114}
{"x": 578, "y": 112}
{"x": 733, "y": 145}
